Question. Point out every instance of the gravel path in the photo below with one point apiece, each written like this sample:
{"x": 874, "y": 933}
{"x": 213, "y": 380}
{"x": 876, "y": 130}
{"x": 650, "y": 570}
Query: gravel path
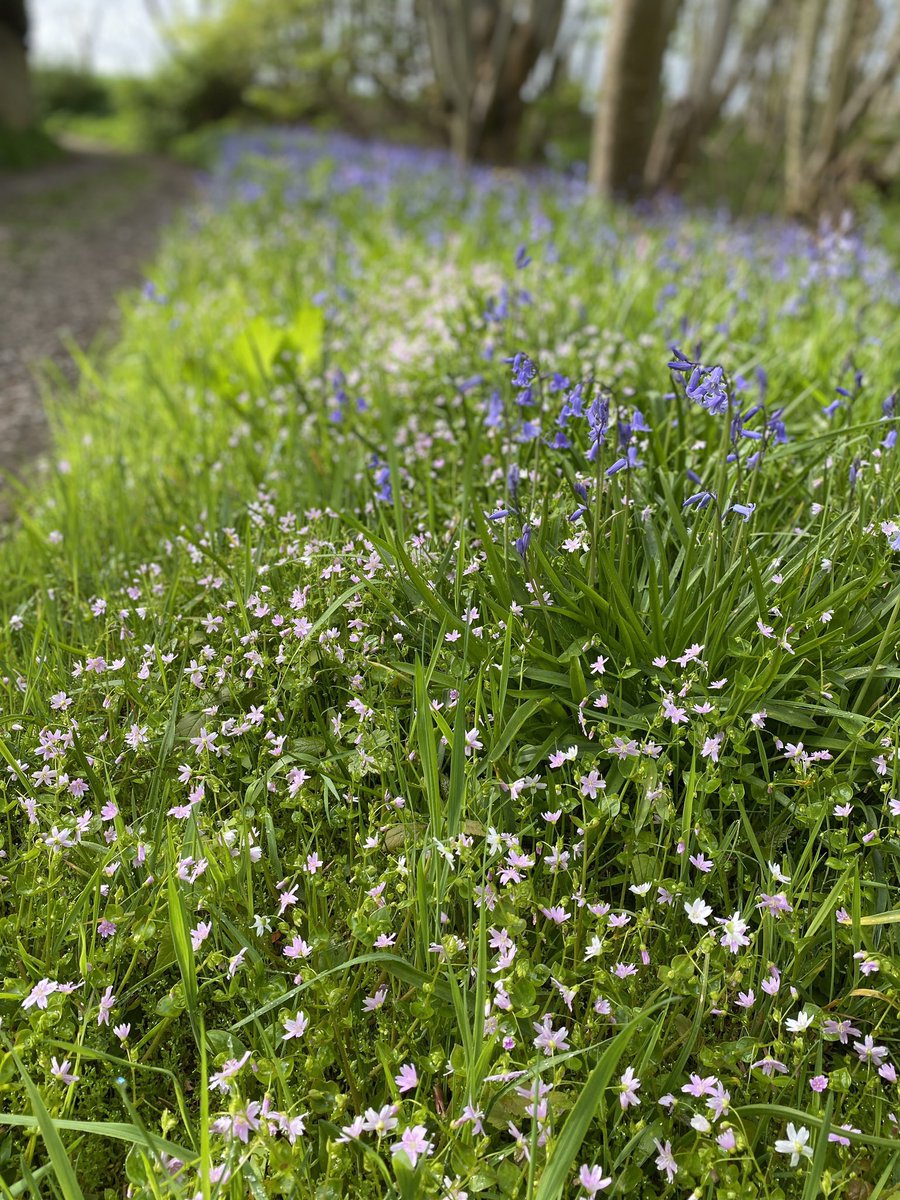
{"x": 72, "y": 236}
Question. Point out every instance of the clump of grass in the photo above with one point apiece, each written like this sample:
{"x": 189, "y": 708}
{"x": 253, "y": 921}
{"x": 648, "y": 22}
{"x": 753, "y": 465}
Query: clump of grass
{"x": 450, "y": 706}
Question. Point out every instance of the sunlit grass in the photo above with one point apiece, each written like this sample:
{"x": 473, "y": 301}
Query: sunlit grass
{"x": 555, "y": 742}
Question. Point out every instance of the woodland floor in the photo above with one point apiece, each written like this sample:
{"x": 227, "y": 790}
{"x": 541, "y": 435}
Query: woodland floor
{"x": 72, "y": 235}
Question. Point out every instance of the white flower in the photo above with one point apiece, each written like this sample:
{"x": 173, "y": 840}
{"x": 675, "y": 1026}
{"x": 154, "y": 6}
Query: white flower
{"x": 801, "y": 1022}
{"x": 776, "y": 871}
{"x": 697, "y": 911}
{"x": 795, "y": 1144}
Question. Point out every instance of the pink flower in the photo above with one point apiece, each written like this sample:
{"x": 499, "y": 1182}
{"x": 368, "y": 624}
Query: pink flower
{"x": 591, "y": 784}
{"x": 628, "y": 1089}
{"x": 60, "y": 1071}
{"x": 371, "y": 1003}
{"x": 40, "y": 992}
{"x": 413, "y": 1143}
{"x": 591, "y": 1179}
{"x": 666, "y": 1160}
{"x": 295, "y": 1026}
{"x": 107, "y": 1002}
{"x": 407, "y": 1078}
{"x": 548, "y": 1039}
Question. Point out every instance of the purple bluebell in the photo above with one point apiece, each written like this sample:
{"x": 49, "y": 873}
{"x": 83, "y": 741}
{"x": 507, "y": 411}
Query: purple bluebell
{"x": 522, "y": 257}
{"x": 581, "y": 492}
{"x": 495, "y": 411}
{"x": 523, "y": 542}
{"x": 382, "y": 476}
{"x": 776, "y": 427}
{"x": 706, "y": 387}
{"x": 598, "y": 423}
{"x": 523, "y": 369}
{"x": 744, "y": 510}
{"x": 700, "y": 500}
{"x": 468, "y": 384}
{"x": 629, "y": 462}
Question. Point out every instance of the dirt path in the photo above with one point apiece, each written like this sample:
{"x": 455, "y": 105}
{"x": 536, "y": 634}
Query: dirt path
{"x": 72, "y": 236}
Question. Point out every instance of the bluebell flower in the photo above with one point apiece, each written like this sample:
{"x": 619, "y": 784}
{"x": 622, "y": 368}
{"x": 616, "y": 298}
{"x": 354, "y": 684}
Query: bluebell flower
{"x": 629, "y": 462}
{"x": 581, "y": 492}
{"x": 523, "y": 369}
{"x": 706, "y": 387}
{"x": 468, "y": 384}
{"x": 573, "y": 405}
{"x": 776, "y": 427}
{"x": 700, "y": 500}
{"x": 495, "y": 411}
{"x": 382, "y": 476}
{"x": 638, "y": 424}
{"x": 498, "y": 309}
{"x": 598, "y": 423}
{"x": 744, "y": 510}
{"x": 523, "y": 542}
{"x": 522, "y": 257}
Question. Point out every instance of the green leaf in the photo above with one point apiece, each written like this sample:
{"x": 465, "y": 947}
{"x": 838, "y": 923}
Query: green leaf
{"x": 305, "y": 334}
{"x": 62, "y": 1167}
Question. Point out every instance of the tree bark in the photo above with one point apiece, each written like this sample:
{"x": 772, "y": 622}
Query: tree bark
{"x": 796, "y": 186}
{"x": 630, "y": 95}
{"x": 483, "y": 52}
{"x": 15, "y": 83}
{"x": 682, "y": 127}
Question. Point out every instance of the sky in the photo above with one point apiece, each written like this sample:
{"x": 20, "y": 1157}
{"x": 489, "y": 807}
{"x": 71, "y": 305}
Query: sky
{"x": 119, "y": 36}
{"x": 110, "y": 36}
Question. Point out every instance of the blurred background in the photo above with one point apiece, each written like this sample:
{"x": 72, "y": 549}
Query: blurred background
{"x": 763, "y": 105}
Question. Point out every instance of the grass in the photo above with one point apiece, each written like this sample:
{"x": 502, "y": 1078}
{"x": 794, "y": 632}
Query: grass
{"x": 21, "y": 150}
{"x": 433, "y": 774}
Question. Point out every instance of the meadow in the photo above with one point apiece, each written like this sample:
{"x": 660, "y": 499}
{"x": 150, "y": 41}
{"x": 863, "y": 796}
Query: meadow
{"x": 449, "y": 706}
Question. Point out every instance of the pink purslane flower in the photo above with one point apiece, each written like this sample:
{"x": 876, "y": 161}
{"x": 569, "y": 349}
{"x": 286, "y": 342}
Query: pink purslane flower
{"x": 666, "y": 1159}
{"x": 413, "y": 1143}
{"x": 592, "y": 1180}
{"x": 40, "y": 993}
{"x": 295, "y": 1027}
{"x": 628, "y": 1088}
{"x": 550, "y": 1040}
{"x": 407, "y": 1078}
{"x": 107, "y": 1003}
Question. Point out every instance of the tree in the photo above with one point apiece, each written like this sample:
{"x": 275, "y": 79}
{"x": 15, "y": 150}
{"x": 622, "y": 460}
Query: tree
{"x": 630, "y": 94}
{"x": 844, "y": 64}
{"x": 15, "y": 85}
{"x": 483, "y": 53}
{"x": 723, "y": 34}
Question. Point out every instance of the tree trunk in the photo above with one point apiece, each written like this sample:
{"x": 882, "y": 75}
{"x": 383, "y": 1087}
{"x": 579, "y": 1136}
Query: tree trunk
{"x": 682, "y": 127}
{"x": 483, "y": 52}
{"x": 630, "y": 94}
{"x": 796, "y": 184}
{"x": 15, "y": 83}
